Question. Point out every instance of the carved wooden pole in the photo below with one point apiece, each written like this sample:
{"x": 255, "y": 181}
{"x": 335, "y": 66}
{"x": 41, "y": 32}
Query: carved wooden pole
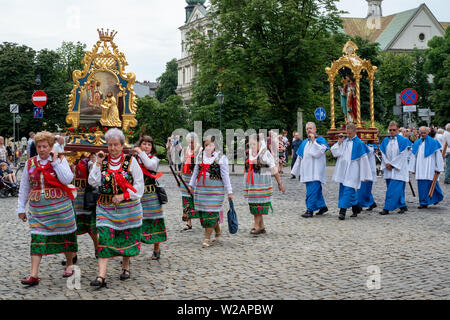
{"x": 333, "y": 125}
{"x": 372, "y": 107}
{"x": 358, "y": 100}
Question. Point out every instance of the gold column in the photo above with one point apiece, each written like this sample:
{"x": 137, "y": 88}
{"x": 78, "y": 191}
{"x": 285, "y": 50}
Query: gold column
{"x": 358, "y": 100}
{"x": 333, "y": 125}
{"x": 372, "y": 107}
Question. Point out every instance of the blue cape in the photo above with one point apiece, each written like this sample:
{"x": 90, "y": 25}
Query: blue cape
{"x": 359, "y": 148}
{"x": 431, "y": 145}
{"x": 402, "y": 142}
{"x": 301, "y": 149}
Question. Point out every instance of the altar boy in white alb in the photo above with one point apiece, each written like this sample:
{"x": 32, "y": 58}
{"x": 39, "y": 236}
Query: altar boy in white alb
{"x": 352, "y": 167}
{"x": 395, "y": 152}
{"x": 310, "y": 167}
{"x": 425, "y": 163}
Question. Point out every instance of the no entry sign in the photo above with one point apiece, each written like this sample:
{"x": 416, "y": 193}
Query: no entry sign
{"x": 39, "y": 98}
{"x": 409, "y": 97}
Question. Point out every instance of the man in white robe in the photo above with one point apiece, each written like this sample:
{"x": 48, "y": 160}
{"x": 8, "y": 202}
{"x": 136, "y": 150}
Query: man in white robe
{"x": 352, "y": 167}
{"x": 395, "y": 151}
{"x": 425, "y": 163}
{"x": 310, "y": 167}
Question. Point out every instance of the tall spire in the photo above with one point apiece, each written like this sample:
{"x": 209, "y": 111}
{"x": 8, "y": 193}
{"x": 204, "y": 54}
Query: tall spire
{"x": 374, "y": 8}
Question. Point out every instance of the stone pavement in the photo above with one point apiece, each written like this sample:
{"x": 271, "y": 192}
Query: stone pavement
{"x": 318, "y": 258}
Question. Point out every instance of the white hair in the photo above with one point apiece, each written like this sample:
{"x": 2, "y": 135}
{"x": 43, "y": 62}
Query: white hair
{"x": 115, "y": 133}
{"x": 440, "y": 131}
{"x": 447, "y": 127}
{"x": 310, "y": 123}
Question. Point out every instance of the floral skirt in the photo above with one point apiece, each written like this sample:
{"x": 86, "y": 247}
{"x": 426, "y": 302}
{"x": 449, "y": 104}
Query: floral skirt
{"x": 112, "y": 243}
{"x": 260, "y": 208}
{"x": 86, "y": 223}
{"x": 44, "y": 245}
{"x": 209, "y": 219}
{"x": 153, "y": 231}
{"x": 189, "y": 203}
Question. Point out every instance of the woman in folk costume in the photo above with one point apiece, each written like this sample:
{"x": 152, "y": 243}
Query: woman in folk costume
{"x": 119, "y": 210}
{"x": 209, "y": 181}
{"x": 85, "y": 217}
{"x": 365, "y": 197}
{"x": 50, "y": 214}
{"x": 188, "y": 157}
{"x": 153, "y": 225}
{"x": 258, "y": 190}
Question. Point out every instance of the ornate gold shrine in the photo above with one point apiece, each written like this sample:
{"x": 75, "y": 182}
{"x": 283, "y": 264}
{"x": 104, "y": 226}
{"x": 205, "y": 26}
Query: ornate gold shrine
{"x": 101, "y": 84}
{"x": 352, "y": 61}
{"x": 102, "y": 97}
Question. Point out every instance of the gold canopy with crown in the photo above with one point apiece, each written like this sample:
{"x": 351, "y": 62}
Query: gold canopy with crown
{"x": 352, "y": 61}
{"x": 103, "y": 93}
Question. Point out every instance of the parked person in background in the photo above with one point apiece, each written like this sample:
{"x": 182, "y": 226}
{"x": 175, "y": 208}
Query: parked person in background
{"x": 281, "y": 153}
{"x": 3, "y": 152}
{"x": 31, "y": 147}
{"x": 59, "y": 144}
{"x": 296, "y": 142}
{"x": 286, "y": 145}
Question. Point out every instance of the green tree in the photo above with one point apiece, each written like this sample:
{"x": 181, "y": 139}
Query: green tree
{"x": 17, "y": 75}
{"x": 70, "y": 57}
{"x": 160, "y": 119}
{"x": 168, "y": 81}
{"x": 438, "y": 64}
{"x": 269, "y": 56}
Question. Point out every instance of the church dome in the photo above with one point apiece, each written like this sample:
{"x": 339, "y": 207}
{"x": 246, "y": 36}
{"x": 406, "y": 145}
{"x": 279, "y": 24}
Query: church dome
{"x": 191, "y": 2}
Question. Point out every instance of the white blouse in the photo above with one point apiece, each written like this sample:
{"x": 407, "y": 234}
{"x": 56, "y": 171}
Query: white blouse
{"x": 224, "y": 170}
{"x": 63, "y": 172}
{"x": 95, "y": 178}
{"x": 150, "y": 163}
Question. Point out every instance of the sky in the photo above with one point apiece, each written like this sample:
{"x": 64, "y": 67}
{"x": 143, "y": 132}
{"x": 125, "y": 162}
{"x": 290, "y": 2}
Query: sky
{"x": 148, "y": 32}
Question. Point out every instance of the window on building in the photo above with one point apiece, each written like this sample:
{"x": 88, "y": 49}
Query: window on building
{"x": 422, "y": 37}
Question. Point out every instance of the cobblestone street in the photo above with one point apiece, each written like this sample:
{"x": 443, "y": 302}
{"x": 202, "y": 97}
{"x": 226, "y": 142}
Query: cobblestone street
{"x": 318, "y": 258}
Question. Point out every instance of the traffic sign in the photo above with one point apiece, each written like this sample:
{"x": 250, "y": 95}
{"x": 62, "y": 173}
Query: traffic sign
{"x": 409, "y": 97}
{"x": 320, "y": 114}
{"x": 39, "y": 98}
{"x": 38, "y": 112}
{"x": 412, "y": 108}
{"x": 14, "y": 108}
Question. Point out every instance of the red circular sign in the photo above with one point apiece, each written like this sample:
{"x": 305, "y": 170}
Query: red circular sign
{"x": 39, "y": 98}
{"x": 409, "y": 97}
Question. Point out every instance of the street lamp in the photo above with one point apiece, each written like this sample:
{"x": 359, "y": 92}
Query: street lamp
{"x": 18, "y": 118}
{"x": 220, "y": 97}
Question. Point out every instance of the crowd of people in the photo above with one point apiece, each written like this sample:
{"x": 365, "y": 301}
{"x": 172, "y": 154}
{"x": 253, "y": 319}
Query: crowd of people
{"x": 117, "y": 200}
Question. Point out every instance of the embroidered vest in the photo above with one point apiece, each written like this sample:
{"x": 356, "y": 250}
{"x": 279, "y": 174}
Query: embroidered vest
{"x": 109, "y": 186}
{"x": 80, "y": 175}
{"x": 259, "y": 163}
{"x": 34, "y": 178}
{"x": 214, "y": 168}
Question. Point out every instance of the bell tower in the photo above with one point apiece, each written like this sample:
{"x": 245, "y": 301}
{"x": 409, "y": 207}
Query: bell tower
{"x": 374, "y": 8}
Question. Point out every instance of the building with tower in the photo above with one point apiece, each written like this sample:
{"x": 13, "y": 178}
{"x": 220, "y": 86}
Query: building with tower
{"x": 196, "y": 19}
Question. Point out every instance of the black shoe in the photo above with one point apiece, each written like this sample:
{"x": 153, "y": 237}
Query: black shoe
{"x": 403, "y": 210}
{"x": 384, "y": 212}
{"x": 74, "y": 260}
{"x": 293, "y": 177}
{"x": 342, "y": 214}
{"x": 322, "y": 211}
{"x": 422, "y": 206}
{"x": 96, "y": 283}
{"x": 307, "y": 214}
{"x": 125, "y": 274}
{"x": 435, "y": 204}
{"x": 355, "y": 209}
{"x": 373, "y": 206}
